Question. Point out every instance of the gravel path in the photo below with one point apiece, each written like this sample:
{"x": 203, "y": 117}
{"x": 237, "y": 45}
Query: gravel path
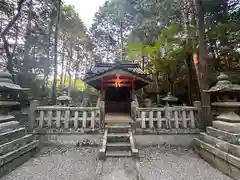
{"x": 168, "y": 163}
{"x": 58, "y": 163}
{"x": 119, "y": 169}
{"x": 156, "y": 163}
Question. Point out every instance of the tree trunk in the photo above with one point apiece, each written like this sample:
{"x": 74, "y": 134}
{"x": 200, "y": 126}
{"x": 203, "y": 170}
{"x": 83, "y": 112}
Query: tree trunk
{"x": 26, "y": 58}
{"x": 54, "y": 86}
{"x": 47, "y": 68}
{"x": 190, "y": 77}
{"x": 62, "y": 70}
{"x": 201, "y": 65}
{"x": 8, "y": 54}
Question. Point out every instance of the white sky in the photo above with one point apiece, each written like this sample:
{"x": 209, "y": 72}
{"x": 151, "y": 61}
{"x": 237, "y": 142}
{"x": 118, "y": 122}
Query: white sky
{"x": 86, "y": 9}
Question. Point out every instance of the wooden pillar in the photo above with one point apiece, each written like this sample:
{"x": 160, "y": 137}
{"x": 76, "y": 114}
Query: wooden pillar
{"x": 102, "y": 89}
{"x": 133, "y": 87}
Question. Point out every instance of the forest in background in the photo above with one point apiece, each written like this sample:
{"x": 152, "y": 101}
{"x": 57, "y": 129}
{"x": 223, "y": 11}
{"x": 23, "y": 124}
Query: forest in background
{"x": 47, "y": 47}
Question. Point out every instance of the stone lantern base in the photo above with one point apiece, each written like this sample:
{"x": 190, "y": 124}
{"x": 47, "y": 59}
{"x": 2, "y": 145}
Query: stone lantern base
{"x": 220, "y": 147}
{"x": 220, "y": 144}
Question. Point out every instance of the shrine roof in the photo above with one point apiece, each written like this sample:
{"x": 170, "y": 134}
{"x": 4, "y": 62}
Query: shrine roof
{"x": 101, "y": 68}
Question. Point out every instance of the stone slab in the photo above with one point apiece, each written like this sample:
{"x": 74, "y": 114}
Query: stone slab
{"x": 222, "y": 145}
{"x": 10, "y": 135}
{"x": 233, "y": 138}
{"x": 17, "y": 143}
{"x": 150, "y": 140}
{"x": 219, "y": 163}
{"x": 118, "y": 154}
{"x": 6, "y": 118}
{"x": 8, "y": 126}
{"x": 230, "y": 159}
{"x": 227, "y": 126}
{"x": 13, "y": 164}
{"x": 118, "y": 146}
{"x": 18, "y": 152}
{"x": 229, "y": 117}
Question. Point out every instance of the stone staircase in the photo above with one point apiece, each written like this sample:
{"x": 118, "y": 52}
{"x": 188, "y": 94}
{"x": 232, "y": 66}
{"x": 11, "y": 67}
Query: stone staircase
{"x": 118, "y": 141}
{"x": 221, "y": 149}
{"x": 16, "y": 146}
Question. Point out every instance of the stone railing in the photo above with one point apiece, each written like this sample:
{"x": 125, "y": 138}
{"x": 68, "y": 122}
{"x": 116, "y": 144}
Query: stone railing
{"x": 59, "y": 117}
{"x": 167, "y": 117}
{"x": 134, "y": 105}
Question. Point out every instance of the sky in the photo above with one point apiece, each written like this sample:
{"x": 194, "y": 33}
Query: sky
{"x": 86, "y": 9}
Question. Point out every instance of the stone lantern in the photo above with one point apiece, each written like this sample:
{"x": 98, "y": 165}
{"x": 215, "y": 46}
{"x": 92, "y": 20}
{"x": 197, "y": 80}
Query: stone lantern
{"x": 15, "y": 142}
{"x": 170, "y": 99}
{"x": 227, "y": 104}
{"x": 64, "y": 99}
{"x": 7, "y": 88}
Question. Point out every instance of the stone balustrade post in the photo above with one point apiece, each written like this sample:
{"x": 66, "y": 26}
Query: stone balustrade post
{"x": 32, "y": 115}
{"x": 134, "y": 114}
{"x": 200, "y": 119}
{"x": 102, "y": 114}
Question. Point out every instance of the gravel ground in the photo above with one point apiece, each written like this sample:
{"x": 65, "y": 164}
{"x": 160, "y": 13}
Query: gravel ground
{"x": 169, "y": 163}
{"x": 65, "y": 162}
{"x": 58, "y": 163}
{"x": 119, "y": 169}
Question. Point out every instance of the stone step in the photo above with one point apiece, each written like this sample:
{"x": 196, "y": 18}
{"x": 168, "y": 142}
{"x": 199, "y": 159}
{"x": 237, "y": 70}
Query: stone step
{"x": 118, "y": 122}
{"x": 225, "y": 162}
{"x": 6, "y": 118}
{"x": 227, "y": 126}
{"x": 13, "y": 164}
{"x": 10, "y": 135}
{"x": 117, "y": 137}
{"x": 118, "y": 154}
{"x": 18, "y": 152}
{"x": 118, "y": 128}
{"x": 222, "y": 145}
{"x": 217, "y": 152}
{"x": 17, "y": 143}
{"x": 8, "y": 126}
{"x": 118, "y": 146}
{"x": 224, "y": 135}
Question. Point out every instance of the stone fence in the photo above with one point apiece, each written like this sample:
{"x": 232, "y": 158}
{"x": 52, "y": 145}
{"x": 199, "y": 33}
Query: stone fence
{"x": 59, "y": 117}
{"x": 175, "y": 117}
{"x": 88, "y": 119}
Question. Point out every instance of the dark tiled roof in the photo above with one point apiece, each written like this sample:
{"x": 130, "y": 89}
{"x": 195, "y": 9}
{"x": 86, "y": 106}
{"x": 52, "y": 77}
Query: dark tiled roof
{"x": 105, "y": 67}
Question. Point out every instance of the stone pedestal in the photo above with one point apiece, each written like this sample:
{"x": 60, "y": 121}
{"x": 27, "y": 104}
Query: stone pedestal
{"x": 15, "y": 145}
{"x": 220, "y": 145}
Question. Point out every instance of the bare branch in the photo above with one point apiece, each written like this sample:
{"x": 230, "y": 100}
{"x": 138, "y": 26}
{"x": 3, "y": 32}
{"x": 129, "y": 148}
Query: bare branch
{"x": 14, "y": 19}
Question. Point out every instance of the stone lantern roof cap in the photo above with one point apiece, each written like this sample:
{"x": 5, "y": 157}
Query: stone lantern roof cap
{"x": 170, "y": 98}
{"x": 64, "y": 97}
{"x": 223, "y": 85}
{"x": 5, "y": 75}
{"x": 7, "y": 83}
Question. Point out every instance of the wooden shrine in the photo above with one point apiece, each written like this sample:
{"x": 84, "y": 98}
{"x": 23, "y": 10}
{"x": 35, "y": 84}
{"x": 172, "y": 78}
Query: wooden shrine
{"x": 117, "y": 84}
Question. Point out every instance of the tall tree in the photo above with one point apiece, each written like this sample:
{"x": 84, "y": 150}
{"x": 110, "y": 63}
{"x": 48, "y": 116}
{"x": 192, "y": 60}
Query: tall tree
{"x": 5, "y": 31}
{"x": 201, "y": 62}
{"x": 54, "y": 85}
